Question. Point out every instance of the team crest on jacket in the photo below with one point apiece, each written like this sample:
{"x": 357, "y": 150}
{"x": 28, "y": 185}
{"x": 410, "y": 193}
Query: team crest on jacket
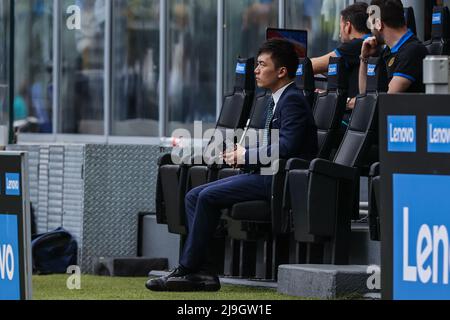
{"x": 391, "y": 62}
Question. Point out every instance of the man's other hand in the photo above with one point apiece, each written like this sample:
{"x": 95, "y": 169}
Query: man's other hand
{"x": 236, "y": 158}
{"x": 351, "y": 104}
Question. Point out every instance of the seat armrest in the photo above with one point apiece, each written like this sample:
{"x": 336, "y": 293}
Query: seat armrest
{"x": 165, "y": 160}
{"x": 297, "y": 164}
{"x": 333, "y": 170}
{"x": 280, "y": 164}
{"x": 375, "y": 170}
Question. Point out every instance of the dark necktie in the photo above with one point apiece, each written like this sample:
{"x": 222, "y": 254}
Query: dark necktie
{"x": 269, "y": 119}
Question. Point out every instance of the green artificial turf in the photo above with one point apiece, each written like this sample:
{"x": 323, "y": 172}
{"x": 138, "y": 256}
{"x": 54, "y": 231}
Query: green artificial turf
{"x": 105, "y": 288}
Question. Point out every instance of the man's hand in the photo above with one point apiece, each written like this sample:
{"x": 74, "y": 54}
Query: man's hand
{"x": 320, "y": 91}
{"x": 236, "y": 158}
{"x": 351, "y": 104}
{"x": 369, "y": 47}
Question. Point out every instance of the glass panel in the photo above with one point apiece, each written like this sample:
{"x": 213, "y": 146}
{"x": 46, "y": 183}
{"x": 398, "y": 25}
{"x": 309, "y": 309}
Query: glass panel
{"x": 33, "y": 65}
{"x": 246, "y": 22}
{"x": 320, "y": 18}
{"x": 192, "y": 58}
{"x": 135, "y": 68}
{"x": 82, "y": 74}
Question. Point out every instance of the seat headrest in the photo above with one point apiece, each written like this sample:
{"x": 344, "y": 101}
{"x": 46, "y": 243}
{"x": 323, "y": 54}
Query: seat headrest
{"x": 440, "y": 23}
{"x": 337, "y": 74}
{"x": 377, "y": 78}
{"x": 410, "y": 19}
{"x": 245, "y": 74}
{"x": 305, "y": 75}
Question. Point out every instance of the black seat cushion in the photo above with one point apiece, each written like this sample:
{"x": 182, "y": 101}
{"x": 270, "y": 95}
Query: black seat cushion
{"x": 252, "y": 211}
{"x": 410, "y": 18}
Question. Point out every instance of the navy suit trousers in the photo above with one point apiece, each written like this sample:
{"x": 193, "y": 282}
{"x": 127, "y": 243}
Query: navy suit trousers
{"x": 203, "y": 211}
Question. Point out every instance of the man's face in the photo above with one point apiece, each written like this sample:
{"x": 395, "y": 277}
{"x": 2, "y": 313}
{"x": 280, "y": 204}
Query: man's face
{"x": 377, "y": 28}
{"x": 267, "y": 75}
{"x": 345, "y": 29}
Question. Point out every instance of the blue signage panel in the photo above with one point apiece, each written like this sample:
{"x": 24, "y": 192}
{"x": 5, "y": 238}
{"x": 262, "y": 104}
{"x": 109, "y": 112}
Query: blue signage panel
{"x": 438, "y": 134}
{"x": 300, "y": 70}
{"x": 9, "y": 258}
{"x": 371, "y": 69}
{"x": 421, "y": 208}
{"x": 332, "y": 69}
{"x": 402, "y": 134}
{"x": 12, "y": 184}
{"x": 415, "y": 196}
{"x": 437, "y": 18}
{"x": 15, "y": 238}
{"x": 240, "y": 68}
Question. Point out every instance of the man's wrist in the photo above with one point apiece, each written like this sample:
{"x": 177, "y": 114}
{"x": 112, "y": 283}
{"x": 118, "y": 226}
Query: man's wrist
{"x": 363, "y": 59}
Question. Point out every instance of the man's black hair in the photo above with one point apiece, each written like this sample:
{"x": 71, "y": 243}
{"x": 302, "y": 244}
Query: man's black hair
{"x": 357, "y": 15}
{"x": 392, "y": 13}
{"x": 283, "y": 55}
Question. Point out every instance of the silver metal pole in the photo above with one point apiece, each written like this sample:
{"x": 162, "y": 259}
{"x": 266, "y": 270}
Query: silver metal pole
{"x": 163, "y": 17}
{"x": 282, "y": 13}
{"x": 56, "y": 64}
{"x": 107, "y": 90}
{"x": 8, "y": 131}
{"x": 220, "y": 56}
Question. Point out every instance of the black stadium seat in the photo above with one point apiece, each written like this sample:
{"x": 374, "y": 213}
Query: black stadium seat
{"x": 305, "y": 80}
{"x": 325, "y": 194}
{"x": 328, "y": 112}
{"x": 440, "y": 41}
{"x": 171, "y": 183}
{"x": 410, "y": 19}
{"x": 329, "y": 109}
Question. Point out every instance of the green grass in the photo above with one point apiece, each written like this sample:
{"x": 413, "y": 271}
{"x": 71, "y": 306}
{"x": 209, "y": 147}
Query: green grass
{"x": 106, "y": 288}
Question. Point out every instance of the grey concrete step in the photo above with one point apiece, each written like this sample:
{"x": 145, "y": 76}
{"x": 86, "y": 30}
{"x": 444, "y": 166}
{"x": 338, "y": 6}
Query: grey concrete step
{"x": 324, "y": 281}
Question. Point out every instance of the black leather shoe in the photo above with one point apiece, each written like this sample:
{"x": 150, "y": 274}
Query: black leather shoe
{"x": 194, "y": 282}
{"x": 160, "y": 284}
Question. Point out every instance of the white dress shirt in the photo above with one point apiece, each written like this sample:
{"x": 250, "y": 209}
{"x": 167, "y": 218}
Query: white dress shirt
{"x": 277, "y": 95}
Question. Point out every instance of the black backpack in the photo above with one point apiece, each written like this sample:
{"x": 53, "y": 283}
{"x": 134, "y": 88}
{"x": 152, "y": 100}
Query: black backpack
{"x": 53, "y": 252}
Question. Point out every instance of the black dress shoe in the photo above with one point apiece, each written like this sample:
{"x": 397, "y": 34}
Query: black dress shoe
{"x": 160, "y": 284}
{"x": 194, "y": 282}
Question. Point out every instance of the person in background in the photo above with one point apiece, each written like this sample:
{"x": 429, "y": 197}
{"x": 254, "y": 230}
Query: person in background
{"x": 403, "y": 52}
{"x": 353, "y": 32}
{"x": 20, "y": 105}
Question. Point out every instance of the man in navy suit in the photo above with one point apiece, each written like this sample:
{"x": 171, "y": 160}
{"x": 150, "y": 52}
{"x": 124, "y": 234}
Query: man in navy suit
{"x": 288, "y": 112}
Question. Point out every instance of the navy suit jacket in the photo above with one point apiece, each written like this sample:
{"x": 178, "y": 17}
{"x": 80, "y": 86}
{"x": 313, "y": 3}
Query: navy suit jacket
{"x": 298, "y": 133}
